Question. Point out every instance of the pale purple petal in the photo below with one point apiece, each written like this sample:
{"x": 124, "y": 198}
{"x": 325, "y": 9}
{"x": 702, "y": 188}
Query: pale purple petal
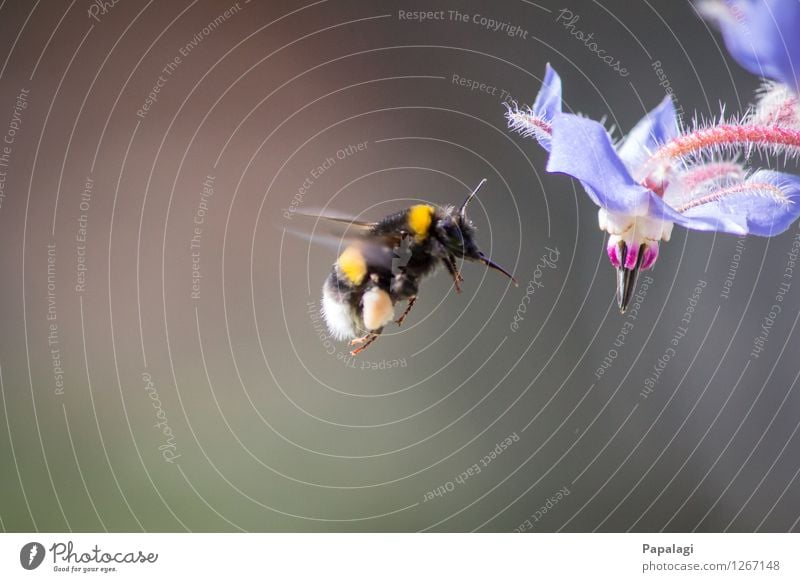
{"x": 745, "y": 212}
{"x": 762, "y": 35}
{"x": 766, "y": 216}
{"x": 710, "y": 220}
{"x": 657, "y": 127}
{"x": 581, "y": 148}
{"x": 548, "y": 101}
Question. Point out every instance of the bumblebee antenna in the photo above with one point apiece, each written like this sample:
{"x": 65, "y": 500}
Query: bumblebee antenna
{"x": 463, "y": 210}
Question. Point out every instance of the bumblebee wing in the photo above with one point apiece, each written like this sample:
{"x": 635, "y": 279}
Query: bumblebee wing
{"x": 392, "y": 230}
{"x": 378, "y": 250}
{"x": 378, "y": 253}
{"x": 346, "y": 227}
{"x": 343, "y": 222}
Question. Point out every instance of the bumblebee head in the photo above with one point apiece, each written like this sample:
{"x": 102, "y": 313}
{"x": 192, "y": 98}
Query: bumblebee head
{"x": 457, "y": 234}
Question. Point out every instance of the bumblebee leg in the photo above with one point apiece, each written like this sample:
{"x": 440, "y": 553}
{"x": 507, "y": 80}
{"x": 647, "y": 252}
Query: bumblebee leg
{"x": 364, "y": 341}
{"x": 450, "y": 263}
{"x": 411, "y": 301}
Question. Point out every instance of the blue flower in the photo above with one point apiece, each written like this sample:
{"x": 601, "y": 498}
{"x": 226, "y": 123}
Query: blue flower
{"x": 657, "y": 177}
{"x": 762, "y": 35}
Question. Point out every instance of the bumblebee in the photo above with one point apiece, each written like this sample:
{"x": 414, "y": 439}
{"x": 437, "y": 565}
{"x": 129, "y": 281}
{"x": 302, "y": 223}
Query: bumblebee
{"x": 367, "y": 280}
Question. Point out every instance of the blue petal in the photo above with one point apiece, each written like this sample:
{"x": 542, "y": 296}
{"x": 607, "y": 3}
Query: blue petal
{"x": 582, "y": 149}
{"x": 548, "y": 101}
{"x": 701, "y": 218}
{"x": 654, "y": 129}
{"x": 763, "y": 36}
{"x": 768, "y": 217}
{"x": 745, "y": 214}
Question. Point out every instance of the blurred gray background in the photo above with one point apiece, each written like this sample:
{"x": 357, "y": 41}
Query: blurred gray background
{"x": 188, "y": 383}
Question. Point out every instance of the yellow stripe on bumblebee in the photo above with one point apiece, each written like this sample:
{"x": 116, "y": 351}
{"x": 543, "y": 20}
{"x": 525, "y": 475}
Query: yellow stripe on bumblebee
{"x": 420, "y": 218}
{"x": 353, "y": 265}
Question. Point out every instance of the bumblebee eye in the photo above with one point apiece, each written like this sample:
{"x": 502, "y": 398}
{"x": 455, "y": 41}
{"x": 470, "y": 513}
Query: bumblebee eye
{"x": 456, "y": 235}
{"x": 446, "y": 226}
{"x": 450, "y": 230}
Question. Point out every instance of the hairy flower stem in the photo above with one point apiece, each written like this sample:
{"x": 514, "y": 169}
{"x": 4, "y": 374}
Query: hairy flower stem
{"x": 710, "y": 172}
{"x": 722, "y": 138}
{"x": 527, "y": 124}
{"x": 717, "y": 140}
{"x": 762, "y": 188}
